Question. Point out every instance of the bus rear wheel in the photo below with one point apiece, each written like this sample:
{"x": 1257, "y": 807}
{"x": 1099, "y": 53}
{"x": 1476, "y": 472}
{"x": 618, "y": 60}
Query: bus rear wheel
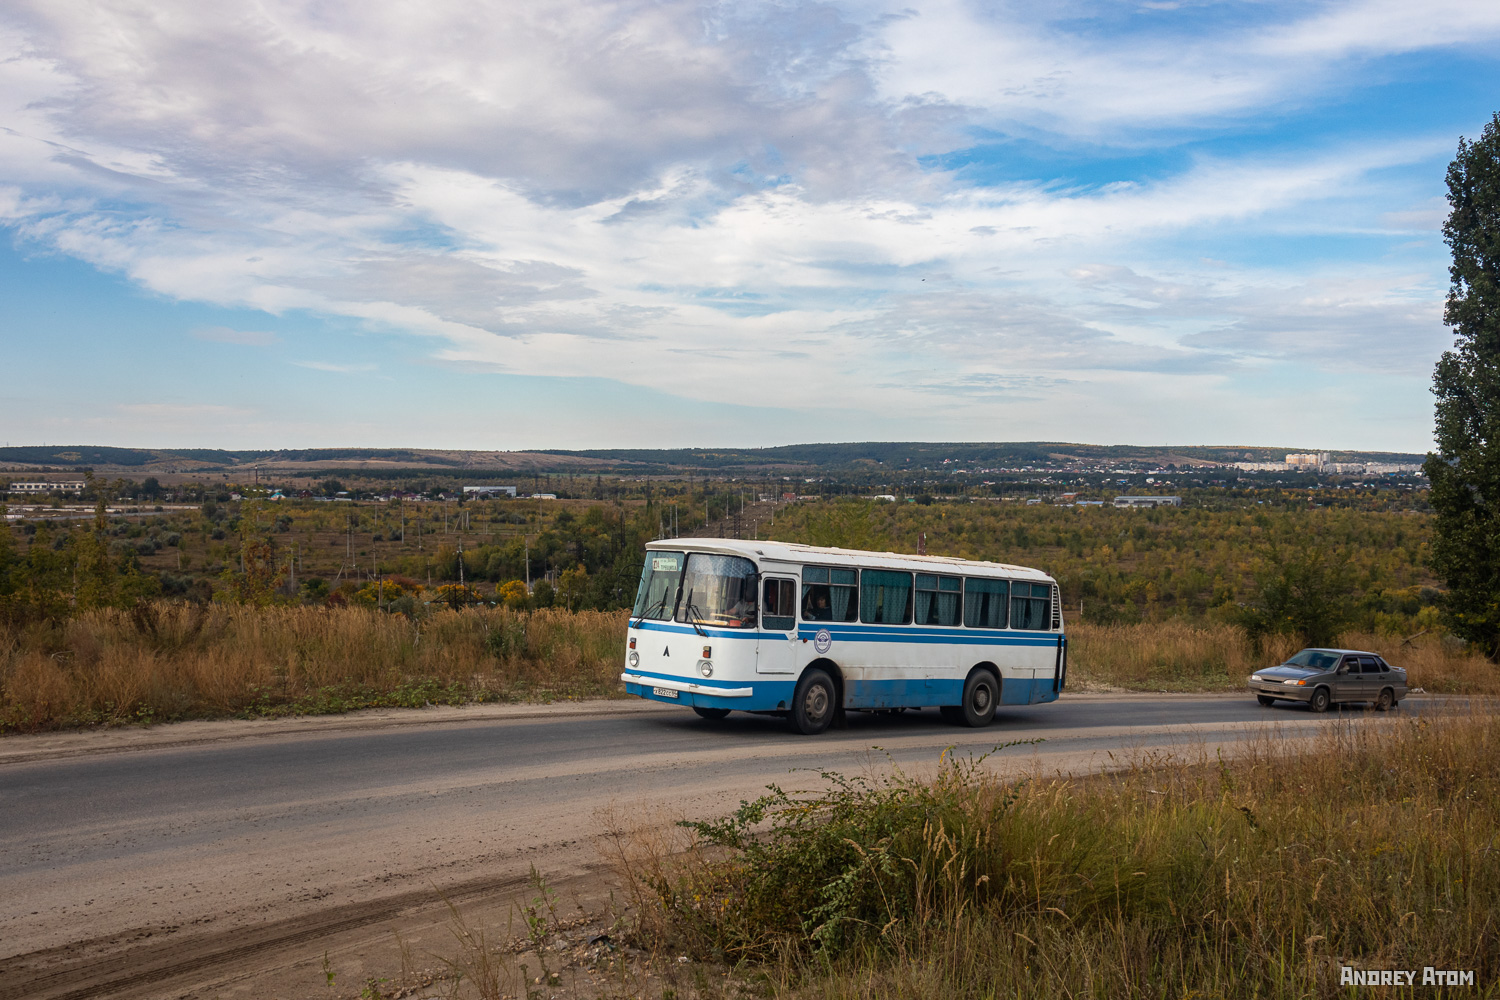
{"x": 813, "y": 702}
{"x": 711, "y": 713}
{"x": 981, "y": 694}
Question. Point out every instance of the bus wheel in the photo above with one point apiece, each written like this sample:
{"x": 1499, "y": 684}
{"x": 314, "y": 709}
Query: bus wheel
{"x": 813, "y": 702}
{"x": 981, "y": 692}
{"x": 711, "y": 713}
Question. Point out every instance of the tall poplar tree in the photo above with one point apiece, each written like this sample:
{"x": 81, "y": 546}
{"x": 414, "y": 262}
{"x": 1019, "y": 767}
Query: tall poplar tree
{"x": 1465, "y": 469}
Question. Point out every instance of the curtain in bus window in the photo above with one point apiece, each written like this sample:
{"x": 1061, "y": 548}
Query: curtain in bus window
{"x": 926, "y": 600}
{"x": 937, "y": 599}
{"x": 885, "y": 597}
{"x": 950, "y": 589}
{"x": 845, "y": 595}
{"x": 829, "y": 595}
{"x": 984, "y": 603}
{"x": 1031, "y": 606}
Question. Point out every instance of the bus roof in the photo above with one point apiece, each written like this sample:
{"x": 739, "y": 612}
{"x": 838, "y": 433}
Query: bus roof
{"x": 790, "y": 552}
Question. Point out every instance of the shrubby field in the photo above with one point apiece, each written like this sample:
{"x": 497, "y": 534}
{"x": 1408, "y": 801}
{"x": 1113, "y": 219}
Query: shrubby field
{"x": 264, "y": 609}
{"x": 1168, "y": 563}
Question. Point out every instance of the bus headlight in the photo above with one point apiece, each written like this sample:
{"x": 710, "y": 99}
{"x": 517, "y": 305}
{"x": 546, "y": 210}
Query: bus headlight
{"x": 705, "y": 668}
{"x": 635, "y": 659}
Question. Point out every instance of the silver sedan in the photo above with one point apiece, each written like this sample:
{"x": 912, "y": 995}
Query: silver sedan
{"x": 1322, "y": 677}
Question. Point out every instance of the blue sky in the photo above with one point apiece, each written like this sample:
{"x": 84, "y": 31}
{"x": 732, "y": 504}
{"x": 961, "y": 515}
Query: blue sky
{"x": 632, "y": 223}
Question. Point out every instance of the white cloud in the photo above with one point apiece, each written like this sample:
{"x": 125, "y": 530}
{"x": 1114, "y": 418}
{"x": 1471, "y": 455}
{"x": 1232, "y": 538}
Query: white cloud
{"x": 661, "y": 192}
{"x": 1037, "y": 66}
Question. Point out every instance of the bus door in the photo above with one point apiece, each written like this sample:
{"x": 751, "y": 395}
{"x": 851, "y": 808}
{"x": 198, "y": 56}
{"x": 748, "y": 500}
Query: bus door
{"x": 776, "y": 644}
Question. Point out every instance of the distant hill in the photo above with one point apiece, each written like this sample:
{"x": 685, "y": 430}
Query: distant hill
{"x": 996, "y": 454}
{"x": 659, "y": 461}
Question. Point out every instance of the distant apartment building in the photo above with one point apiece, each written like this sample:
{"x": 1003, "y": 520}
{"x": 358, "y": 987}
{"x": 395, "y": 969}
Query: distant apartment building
{"x": 73, "y": 486}
{"x": 481, "y": 492}
{"x": 1148, "y": 501}
{"x": 1374, "y": 468}
{"x": 1314, "y": 460}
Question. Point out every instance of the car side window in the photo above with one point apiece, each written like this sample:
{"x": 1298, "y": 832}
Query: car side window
{"x": 1350, "y": 665}
{"x": 1369, "y": 665}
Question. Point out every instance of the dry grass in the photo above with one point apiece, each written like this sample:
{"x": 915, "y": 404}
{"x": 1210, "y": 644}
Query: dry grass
{"x": 1378, "y": 846}
{"x": 173, "y": 661}
{"x": 1180, "y": 656}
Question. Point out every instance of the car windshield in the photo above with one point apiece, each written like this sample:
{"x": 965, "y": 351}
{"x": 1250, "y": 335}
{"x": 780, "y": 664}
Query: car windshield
{"x": 718, "y": 591}
{"x": 656, "y": 598}
{"x": 1314, "y": 659}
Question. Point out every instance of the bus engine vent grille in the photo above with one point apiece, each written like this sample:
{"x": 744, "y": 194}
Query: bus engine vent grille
{"x": 1056, "y": 609}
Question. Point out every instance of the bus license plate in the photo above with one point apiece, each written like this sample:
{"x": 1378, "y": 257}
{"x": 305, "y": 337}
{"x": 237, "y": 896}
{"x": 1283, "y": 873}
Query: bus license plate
{"x": 664, "y": 692}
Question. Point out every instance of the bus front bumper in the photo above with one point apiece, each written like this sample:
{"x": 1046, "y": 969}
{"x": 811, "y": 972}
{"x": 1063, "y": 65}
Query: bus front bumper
{"x": 687, "y": 687}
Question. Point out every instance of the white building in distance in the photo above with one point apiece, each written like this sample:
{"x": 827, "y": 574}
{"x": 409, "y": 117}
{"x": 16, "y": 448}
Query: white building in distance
{"x": 75, "y": 486}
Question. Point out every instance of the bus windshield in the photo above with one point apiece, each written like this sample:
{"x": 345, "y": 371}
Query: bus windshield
{"x": 718, "y": 591}
{"x": 657, "y": 595}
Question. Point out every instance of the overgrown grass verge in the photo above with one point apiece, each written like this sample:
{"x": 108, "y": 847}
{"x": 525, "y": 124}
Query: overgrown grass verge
{"x": 1376, "y": 847}
{"x": 1187, "y": 656}
{"x": 164, "y": 661}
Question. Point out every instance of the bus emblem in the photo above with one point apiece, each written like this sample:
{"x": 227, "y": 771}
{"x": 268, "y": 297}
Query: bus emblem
{"x": 822, "y": 642}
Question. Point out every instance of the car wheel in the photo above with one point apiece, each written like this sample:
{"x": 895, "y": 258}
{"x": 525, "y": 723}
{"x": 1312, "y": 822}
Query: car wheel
{"x": 981, "y": 693}
{"x": 1265, "y": 699}
{"x": 1319, "y": 700}
{"x": 1386, "y": 701}
{"x": 813, "y": 702}
{"x": 711, "y": 713}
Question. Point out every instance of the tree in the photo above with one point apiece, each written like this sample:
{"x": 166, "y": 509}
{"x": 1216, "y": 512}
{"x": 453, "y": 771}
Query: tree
{"x": 513, "y": 595}
{"x": 1465, "y": 469}
{"x": 572, "y": 586}
{"x": 1303, "y": 592}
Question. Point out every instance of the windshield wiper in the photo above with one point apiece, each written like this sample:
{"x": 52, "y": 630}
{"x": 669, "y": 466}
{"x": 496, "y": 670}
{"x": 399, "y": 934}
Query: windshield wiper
{"x": 650, "y": 611}
{"x": 694, "y": 614}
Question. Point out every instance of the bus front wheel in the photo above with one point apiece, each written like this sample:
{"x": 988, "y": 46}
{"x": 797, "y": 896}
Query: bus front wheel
{"x": 813, "y": 702}
{"x": 981, "y": 693}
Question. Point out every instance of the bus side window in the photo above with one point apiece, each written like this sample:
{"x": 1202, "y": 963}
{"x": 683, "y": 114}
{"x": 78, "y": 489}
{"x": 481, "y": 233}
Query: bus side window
{"x": 1031, "y": 606}
{"x": 829, "y": 595}
{"x": 937, "y": 599}
{"x": 886, "y": 597}
{"x": 984, "y": 602}
{"x": 777, "y": 610}
{"x": 815, "y": 594}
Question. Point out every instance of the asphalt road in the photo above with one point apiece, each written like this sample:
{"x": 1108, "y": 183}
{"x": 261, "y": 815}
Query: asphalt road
{"x": 156, "y": 850}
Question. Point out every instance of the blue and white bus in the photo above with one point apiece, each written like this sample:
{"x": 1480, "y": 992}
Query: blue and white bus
{"x": 805, "y": 632}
